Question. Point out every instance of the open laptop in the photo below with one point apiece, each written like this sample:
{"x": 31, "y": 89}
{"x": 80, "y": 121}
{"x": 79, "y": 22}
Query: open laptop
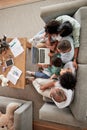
{"x": 40, "y": 55}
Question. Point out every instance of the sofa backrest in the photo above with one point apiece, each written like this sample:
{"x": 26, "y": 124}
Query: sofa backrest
{"x": 81, "y": 17}
{"x": 79, "y": 105}
{"x": 53, "y": 11}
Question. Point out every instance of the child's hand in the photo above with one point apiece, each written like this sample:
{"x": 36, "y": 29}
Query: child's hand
{"x": 50, "y": 54}
{"x": 39, "y": 65}
{"x": 54, "y": 76}
{"x": 43, "y": 65}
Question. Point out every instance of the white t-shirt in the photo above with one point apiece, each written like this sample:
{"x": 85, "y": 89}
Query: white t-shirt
{"x": 68, "y": 56}
{"x": 70, "y": 65}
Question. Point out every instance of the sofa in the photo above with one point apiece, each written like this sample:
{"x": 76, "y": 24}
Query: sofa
{"x": 22, "y": 115}
{"x": 76, "y": 113}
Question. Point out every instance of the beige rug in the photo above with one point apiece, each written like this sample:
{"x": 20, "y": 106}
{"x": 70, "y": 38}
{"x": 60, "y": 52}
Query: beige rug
{"x": 11, "y": 3}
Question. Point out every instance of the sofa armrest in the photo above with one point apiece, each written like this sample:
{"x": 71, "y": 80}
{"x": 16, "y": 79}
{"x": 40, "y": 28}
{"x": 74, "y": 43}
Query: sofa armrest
{"x": 69, "y": 8}
{"x": 23, "y": 117}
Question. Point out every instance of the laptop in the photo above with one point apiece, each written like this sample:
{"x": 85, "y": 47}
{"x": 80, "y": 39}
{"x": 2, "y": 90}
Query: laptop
{"x": 40, "y": 55}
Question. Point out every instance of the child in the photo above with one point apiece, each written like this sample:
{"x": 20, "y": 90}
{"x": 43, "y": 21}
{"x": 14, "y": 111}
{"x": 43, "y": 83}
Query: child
{"x": 66, "y": 49}
{"x": 48, "y": 71}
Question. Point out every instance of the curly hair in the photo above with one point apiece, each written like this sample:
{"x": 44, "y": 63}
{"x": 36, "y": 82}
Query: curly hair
{"x": 56, "y": 61}
{"x": 67, "y": 80}
{"x": 52, "y": 27}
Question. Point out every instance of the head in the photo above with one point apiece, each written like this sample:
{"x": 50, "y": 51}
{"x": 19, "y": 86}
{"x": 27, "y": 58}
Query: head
{"x": 67, "y": 80}
{"x": 64, "y": 46}
{"x": 65, "y": 29}
{"x": 52, "y": 27}
{"x": 56, "y": 61}
{"x": 65, "y": 70}
{"x": 58, "y": 95}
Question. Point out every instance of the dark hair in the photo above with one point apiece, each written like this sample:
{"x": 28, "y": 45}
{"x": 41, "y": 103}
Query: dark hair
{"x": 65, "y": 29}
{"x": 67, "y": 80}
{"x": 64, "y": 45}
{"x": 56, "y": 61}
{"x": 52, "y": 27}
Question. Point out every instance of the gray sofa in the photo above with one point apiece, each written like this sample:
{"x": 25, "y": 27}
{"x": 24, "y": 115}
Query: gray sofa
{"x": 22, "y": 115}
{"x": 76, "y": 114}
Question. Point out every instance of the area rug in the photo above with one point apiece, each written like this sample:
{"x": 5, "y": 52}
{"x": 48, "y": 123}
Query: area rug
{"x": 23, "y": 20}
{"x": 11, "y": 3}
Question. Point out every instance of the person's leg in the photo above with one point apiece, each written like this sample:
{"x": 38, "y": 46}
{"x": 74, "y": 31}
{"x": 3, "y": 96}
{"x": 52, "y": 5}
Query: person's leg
{"x": 37, "y": 38}
{"x": 37, "y": 74}
{"x": 41, "y": 75}
{"x": 36, "y": 85}
{"x": 30, "y": 73}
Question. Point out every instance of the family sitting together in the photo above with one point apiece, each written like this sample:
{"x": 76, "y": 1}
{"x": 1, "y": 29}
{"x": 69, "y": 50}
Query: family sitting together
{"x": 57, "y": 80}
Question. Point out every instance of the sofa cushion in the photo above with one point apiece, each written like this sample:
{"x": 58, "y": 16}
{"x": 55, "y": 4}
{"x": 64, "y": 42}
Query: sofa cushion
{"x": 81, "y": 17}
{"x": 50, "y": 112}
{"x": 79, "y": 104}
{"x": 48, "y": 100}
{"x": 53, "y": 11}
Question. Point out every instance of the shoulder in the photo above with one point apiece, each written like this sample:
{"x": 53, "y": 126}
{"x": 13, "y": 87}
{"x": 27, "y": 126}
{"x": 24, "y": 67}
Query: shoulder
{"x": 72, "y": 20}
{"x": 68, "y": 38}
{"x": 71, "y": 66}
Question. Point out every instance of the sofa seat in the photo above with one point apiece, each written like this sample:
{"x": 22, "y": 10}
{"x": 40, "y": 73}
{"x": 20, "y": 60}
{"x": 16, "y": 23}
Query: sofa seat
{"x": 50, "y": 112}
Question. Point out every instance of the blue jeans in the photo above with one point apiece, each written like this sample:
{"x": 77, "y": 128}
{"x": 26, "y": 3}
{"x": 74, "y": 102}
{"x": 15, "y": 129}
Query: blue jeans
{"x": 41, "y": 75}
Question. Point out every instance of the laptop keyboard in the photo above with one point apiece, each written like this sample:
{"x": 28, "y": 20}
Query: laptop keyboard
{"x": 42, "y": 56}
{"x": 35, "y": 55}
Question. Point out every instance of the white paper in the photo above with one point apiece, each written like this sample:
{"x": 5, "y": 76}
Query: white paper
{"x": 16, "y": 47}
{"x": 14, "y": 74}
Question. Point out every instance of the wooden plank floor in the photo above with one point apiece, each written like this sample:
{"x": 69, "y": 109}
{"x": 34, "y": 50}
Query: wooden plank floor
{"x": 9, "y": 3}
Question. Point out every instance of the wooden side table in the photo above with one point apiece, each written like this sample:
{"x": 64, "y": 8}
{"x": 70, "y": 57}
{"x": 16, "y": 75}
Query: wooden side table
{"x": 19, "y": 61}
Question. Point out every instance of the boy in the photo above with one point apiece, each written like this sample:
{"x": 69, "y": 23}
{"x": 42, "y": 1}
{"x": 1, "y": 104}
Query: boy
{"x": 48, "y": 71}
{"x": 66, "y": 49}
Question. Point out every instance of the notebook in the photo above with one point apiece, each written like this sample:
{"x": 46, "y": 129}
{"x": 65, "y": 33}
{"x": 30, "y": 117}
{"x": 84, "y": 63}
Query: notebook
{"x": 40, "y": 55}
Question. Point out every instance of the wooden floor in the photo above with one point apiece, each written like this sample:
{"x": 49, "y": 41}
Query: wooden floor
{"x": 9, "y": 3}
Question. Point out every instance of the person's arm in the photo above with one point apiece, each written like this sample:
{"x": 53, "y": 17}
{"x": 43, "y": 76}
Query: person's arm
{"x": 76, "y": 34}
{"x": 75, "y": 57}
{"x": 43, "y": 65}
{"x": 51, "y": 46}
{"x": 48, "y": 85}
{"x": 54, "y": 76}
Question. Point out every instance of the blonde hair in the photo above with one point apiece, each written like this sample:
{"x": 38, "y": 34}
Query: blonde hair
{"x": 61, "y": 94}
